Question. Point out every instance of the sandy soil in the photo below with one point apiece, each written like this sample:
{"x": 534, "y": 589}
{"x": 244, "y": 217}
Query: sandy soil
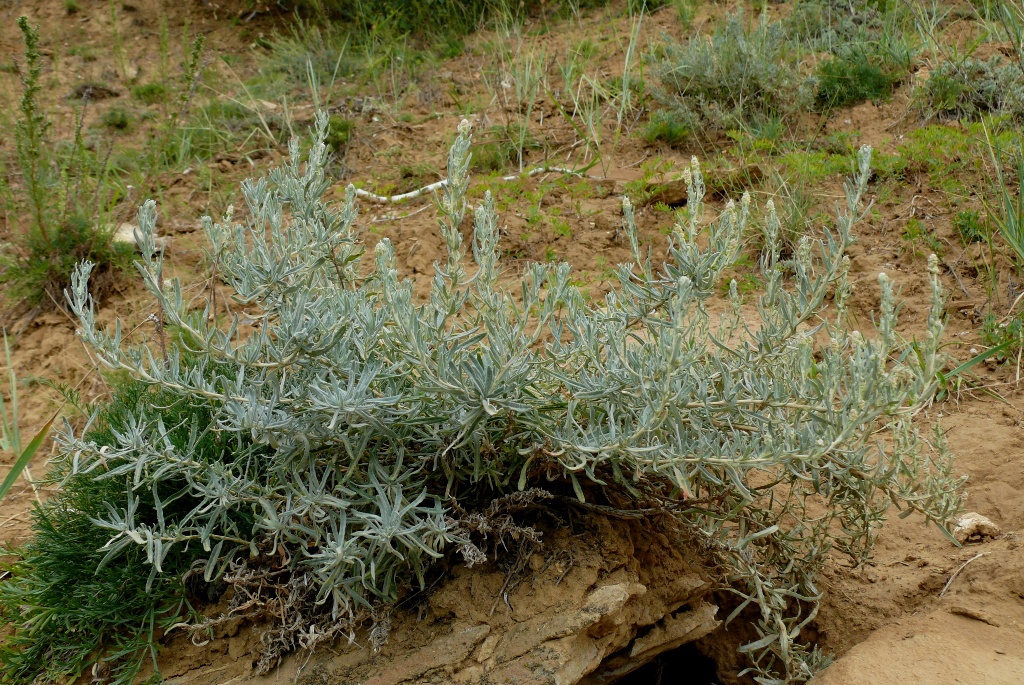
{"x": 924, "y": 611}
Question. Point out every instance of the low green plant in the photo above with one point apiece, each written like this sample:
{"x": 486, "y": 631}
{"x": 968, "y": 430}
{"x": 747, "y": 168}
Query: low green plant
{"x": 811, "y": 167}
{"x": 117, "y": 119}
{"x": 853, "y": 76}
{"x": 518, "y": 80}
{"x": 560, "y": 227}
{"x": 686, "y": 10}
{"x": 666, "y": 127}
{"x": 972, "y": 87}
{"x": 1003, "y": 335}
{"x": 951, "y": 381}
{"x": 737, "y": 76}
{"x": 323, "y": 50}
{"x": 150, "y": 93}
{"x": 953, "y": 156}
{"x": 918, "y": 236}
{"x": 86, "y": 52}
{"x": 339, "y": 130}
{"x": 220, "y": 126}
{"x": 653, "y": 174}
{"x": 501, "y": 147}
{"x": 177, "y": 138}
{"x": 65, "y": 224}
{"x": 970, "y": 226}
{"x": 39, "y": 271}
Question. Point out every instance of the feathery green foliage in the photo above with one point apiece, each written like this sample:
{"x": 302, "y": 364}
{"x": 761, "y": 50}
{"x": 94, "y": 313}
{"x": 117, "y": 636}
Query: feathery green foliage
{"x": 31, "y": 128}
{"x": 854, "y": 75}
{"x": 70, "y": 599}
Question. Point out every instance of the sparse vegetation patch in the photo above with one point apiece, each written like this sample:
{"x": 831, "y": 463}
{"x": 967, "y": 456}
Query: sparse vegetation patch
{"x": 741, "y": 75}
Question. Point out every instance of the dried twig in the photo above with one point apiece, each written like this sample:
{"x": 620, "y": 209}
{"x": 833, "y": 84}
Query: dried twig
{"x": 959, "y": 571}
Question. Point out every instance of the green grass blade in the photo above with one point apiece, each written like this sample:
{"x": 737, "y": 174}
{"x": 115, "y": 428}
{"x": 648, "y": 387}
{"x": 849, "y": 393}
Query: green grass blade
{"x": 977, "y": 359}
{"x": 9, "y": 436}
{"x": 25, "y": 458}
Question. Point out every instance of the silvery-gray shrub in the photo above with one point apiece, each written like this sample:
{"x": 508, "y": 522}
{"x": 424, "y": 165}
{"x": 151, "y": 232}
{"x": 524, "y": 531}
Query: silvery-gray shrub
{"x": 736, "y": 77}
{"x": 769, "y": 428}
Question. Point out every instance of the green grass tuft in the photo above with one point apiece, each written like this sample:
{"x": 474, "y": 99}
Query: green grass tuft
{"x": 339, "y": 131}
{"x": 150, "y": 93}
{"x": 69, "y": 605}
{"x": 738, "y": 77}
{"x": 850, "y": 79}
{"x": 117, "y": 119}
{"x": 666, "y": 127}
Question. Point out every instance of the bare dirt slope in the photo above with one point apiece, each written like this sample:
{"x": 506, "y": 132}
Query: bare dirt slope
{"x": 892, "y": 623}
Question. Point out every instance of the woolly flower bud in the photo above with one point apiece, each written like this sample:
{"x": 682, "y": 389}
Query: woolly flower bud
{"x": 770, "y": 207}
{"x": 626, "y": 204}
{"x": 687, "y": 176}
{"x": 465, "y": 127}
{"x": 745, "y": 201}
{"x": 933, "y": 265}
{"x": 883, "y": 279}
{"x": 803, "y": 251}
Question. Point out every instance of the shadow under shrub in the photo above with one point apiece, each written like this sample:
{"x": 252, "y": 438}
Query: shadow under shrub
{"x": 333, "y": 440}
